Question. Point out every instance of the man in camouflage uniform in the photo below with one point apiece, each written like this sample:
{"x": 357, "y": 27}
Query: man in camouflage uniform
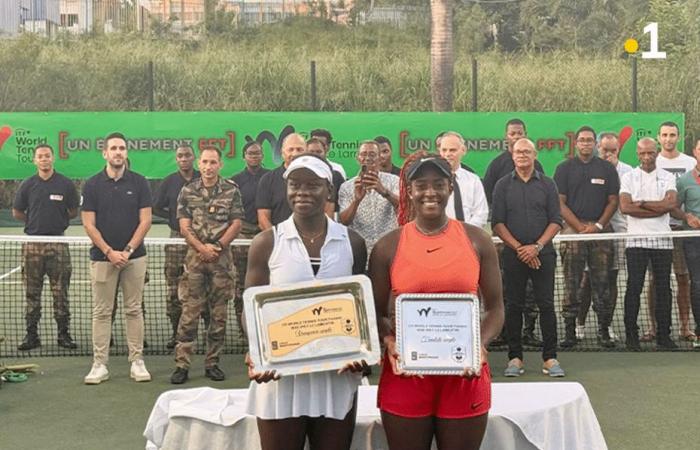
{"x": 588, "y": 196}
{"x": 210, "y": 211}
{"x": 165, "y": 206}
{"x": 45, "y": 203}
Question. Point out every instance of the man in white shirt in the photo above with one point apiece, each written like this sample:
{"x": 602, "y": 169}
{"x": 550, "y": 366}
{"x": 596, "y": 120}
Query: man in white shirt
{"x": 609, "y": 150}
{"x": 647, "y": 195}
{"x": 468, "y": 190}
{"x": 677, "y": 163}
{"x": 369, "y": 200}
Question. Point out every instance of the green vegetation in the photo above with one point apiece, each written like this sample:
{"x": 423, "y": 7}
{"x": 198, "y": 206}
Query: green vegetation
{"x": 362, "y": 68}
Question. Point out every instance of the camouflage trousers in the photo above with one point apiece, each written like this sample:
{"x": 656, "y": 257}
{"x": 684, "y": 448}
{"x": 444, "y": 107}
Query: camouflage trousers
{"x": 598, "y": 257}
{"x": 51, "y": 259}
{"x": 174, "y": 268}
{"x": 240, "y": 259}
{"x": 204, "y": 284}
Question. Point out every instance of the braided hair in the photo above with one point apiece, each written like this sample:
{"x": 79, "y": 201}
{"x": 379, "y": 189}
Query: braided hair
{"x": 406, "y": 212}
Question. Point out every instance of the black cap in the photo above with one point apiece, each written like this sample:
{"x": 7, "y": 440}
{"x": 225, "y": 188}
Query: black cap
{"x": 439, "y": 163}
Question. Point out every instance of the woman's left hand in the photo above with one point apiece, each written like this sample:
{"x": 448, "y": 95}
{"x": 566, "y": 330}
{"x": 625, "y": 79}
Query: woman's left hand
{"x": 470, "y": 372}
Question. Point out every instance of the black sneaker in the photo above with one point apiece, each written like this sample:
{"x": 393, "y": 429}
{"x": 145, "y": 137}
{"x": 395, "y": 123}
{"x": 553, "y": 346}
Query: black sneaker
{"x": 214, "y": 373}
{"x": 632, "y": 343}
{"x": 66, "y": 341}
{"x": 171, "y": 343}
{"x": 665, "y": 343}
{"x": 530, "y": 340}
{"x": 30, "y": 342}
{"x": 179, "y": 376}
{"x": 604, "y": 339}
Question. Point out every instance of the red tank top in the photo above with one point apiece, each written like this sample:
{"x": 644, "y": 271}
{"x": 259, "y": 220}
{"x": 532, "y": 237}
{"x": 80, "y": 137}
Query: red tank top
{"x": 442, "y": 263}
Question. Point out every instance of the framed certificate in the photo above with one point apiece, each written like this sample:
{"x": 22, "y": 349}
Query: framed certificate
{"x": 312, "y": 326}
{"x": 438, "y": 334}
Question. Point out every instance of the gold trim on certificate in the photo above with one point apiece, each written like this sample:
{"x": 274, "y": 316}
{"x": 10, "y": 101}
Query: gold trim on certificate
{"x": 312, "y": 326}
{"x": 438, "y": 334}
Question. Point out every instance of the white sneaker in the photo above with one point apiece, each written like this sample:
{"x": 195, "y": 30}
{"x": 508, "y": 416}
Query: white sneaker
{"x": 613, "y": 336}
{"x": 580, "y": 331}
{"x": 97, "y": 375}
{"x": 138, "y": 371}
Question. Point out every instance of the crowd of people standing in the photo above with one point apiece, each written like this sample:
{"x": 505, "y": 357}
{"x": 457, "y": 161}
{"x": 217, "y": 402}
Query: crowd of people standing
{"x": 309, "y": 220}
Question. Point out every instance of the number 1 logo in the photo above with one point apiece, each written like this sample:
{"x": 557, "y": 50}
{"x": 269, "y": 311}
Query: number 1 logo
{"x": 632, "y": 46}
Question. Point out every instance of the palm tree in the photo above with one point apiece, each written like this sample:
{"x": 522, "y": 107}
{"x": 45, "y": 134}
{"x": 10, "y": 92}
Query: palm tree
{"x": 441, "y": 55}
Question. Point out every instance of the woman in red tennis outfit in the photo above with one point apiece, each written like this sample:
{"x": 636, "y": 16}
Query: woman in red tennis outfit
{"x": 434, "y": 254}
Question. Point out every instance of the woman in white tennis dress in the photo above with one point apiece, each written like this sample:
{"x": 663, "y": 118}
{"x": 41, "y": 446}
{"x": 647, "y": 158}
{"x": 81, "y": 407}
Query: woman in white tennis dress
{"x": 307, "y": 246}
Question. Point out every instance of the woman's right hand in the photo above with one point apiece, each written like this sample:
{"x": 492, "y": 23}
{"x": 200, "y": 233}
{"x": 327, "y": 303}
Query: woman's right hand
{"x": 259, "y": 377}
{"x": 392, "y": 355}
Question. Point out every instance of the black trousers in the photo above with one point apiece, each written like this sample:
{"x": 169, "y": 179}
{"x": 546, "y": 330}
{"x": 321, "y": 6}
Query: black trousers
{"x": 691, "y": 246}
{"x": 515, "y": 276}
{"x": 637, "y": 261}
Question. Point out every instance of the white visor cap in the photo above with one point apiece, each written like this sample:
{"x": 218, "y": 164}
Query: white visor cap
{"x": 314, "y": 164}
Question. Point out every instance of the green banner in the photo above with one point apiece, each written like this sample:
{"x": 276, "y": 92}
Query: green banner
{"x": 77, "y": 138}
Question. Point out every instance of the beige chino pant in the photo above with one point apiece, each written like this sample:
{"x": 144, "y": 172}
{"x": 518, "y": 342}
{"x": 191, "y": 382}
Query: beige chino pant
{"x": 105, "y": 278}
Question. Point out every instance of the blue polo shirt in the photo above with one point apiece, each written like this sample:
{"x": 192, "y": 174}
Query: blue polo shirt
{"x": 116, "y": 205}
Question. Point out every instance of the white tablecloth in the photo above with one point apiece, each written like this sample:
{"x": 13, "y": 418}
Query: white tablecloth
{"x": 554, "y": 415}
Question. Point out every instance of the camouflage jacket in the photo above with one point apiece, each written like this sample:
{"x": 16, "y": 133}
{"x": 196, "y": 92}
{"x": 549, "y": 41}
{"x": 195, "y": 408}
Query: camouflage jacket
{"x": 212, "y": 210}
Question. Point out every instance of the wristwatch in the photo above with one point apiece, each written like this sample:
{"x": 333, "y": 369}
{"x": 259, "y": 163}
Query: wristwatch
{"x": 128, "y": 249}
{"x": 599, "y": 226}
{"x": 218, "y": 245}
{"x": 539, "y": 247}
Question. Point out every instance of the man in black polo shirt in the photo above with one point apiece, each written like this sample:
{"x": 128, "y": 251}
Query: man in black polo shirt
{"x": 247, "y": 181}
{"x": 325, "y": 137}
{"x": 385, "y": 163}
{"x": 116, "y": 214}
{"x": 588, "y": 194}
{"x": 271, "y": 199}
{"x": 165, "y": 206}
{"x": 526, "y": 216}
{"x": 46, "y": 202}
{"x": 499, "y": 167}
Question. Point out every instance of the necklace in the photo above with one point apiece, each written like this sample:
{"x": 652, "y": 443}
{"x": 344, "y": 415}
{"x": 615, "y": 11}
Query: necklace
{"x": 434, "y": 232}
{"x": 311, "y": 239}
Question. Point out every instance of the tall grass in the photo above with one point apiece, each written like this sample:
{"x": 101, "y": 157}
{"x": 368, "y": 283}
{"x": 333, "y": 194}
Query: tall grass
{"x": 367, "y": 68}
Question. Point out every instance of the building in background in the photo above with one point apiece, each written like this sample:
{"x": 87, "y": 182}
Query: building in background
{"x": 29, "y": 16}
{"x": 84, "y": 16}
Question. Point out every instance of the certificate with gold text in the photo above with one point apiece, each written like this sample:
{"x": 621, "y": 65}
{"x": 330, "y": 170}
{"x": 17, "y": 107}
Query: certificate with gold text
{"x": 311, "y": 326}
{"x": 438, "y": 334}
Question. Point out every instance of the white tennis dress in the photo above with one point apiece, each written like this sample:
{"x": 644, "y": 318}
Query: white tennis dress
{"x": 316, "y": 394}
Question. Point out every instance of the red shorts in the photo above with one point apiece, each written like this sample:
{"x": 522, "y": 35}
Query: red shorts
{"x": 443, "y": 396}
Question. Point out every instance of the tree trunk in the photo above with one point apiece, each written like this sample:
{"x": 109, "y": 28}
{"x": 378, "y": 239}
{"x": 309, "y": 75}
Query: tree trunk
{"x": 441, "y": 55}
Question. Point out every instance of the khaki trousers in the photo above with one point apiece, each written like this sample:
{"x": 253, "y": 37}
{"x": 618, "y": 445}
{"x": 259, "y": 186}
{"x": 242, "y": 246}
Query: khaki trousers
{"x": 105, "y": 277}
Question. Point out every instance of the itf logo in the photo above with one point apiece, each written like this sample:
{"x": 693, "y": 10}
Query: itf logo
{"x": 5, "y": 133}
{"x": 632, "y": 46}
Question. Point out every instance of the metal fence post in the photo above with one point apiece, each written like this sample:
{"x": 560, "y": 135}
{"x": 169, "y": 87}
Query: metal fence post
{"x": 313, "y": 85}
{"x": 151, "y": 87}
{"x": 474, "y": 86}
{"x": 635, "y": 103}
